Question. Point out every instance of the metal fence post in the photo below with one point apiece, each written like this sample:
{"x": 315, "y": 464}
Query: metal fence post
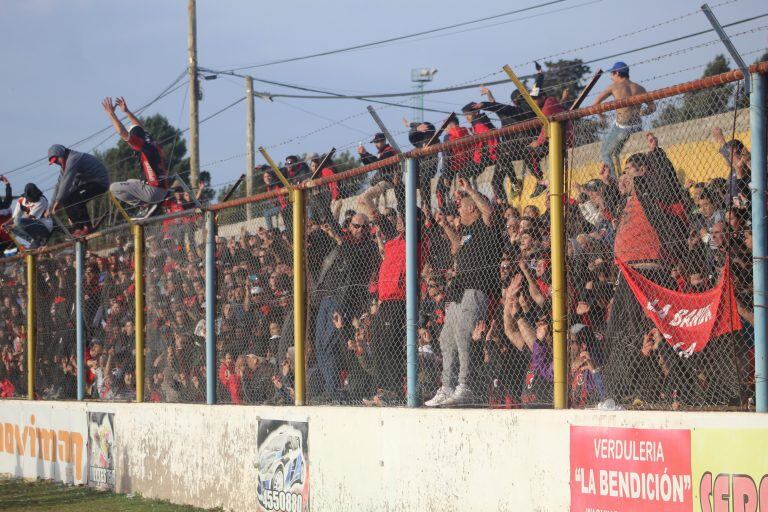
{"x": 412, "y": 271}
{"x": 557, "y": 234}
{"x": 138, "y": 276}
{"x": 210, "y": 307}
{"x": 757, "y": 123}
{"x": 299, "y": 296}
{"x": 80, "y": 328}
{"x": 31, "y": 323}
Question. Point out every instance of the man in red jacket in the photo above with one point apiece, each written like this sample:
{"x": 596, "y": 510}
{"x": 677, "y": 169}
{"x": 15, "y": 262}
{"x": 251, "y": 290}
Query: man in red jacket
{"x": 456, "y": 160}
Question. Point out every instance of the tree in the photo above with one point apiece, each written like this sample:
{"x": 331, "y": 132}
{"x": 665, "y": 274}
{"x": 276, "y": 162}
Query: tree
{"x": 702, "y": 103}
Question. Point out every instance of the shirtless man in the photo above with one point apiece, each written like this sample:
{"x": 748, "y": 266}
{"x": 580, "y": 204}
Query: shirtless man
{"x": 628, "y": 120}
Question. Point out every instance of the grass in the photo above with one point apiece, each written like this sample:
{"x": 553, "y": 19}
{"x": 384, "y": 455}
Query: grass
{"x": 37, "y": 496}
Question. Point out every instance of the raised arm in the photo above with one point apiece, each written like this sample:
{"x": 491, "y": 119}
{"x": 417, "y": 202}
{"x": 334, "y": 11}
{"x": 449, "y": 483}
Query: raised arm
{"x": 109, "y": 108}
{"x": 486, "y": 210}
{"x": 120, "y": 102}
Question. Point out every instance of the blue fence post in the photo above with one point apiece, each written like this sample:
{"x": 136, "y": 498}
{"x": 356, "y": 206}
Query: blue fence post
{"x": 79, "y": 327}
{"x": 210, "y": 306}
{"x": 757, "y": 122}
{"x": 412, "y": 278}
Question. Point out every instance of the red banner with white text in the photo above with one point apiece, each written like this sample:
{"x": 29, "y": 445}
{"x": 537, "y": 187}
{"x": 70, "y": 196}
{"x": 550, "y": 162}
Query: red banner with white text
{"x": 686, "y": 320}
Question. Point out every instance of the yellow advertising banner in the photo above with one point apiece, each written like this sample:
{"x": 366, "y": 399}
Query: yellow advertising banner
{"x": 730, "y": 470}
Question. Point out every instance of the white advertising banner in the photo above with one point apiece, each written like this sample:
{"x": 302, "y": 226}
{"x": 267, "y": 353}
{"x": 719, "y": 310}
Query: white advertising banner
{"x": 39, "y": 440}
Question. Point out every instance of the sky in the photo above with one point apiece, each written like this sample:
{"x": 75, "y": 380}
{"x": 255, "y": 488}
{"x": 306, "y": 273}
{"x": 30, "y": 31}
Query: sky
{"x": 61, "y": 58}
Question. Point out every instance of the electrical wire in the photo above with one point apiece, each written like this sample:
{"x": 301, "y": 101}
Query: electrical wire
{"x": 398, "y": 38}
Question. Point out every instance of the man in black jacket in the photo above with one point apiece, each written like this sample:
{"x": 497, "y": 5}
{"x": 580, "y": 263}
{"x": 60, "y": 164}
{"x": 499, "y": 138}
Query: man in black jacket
{"x": 343, "y": 283}
{"x": 512, "y": 146}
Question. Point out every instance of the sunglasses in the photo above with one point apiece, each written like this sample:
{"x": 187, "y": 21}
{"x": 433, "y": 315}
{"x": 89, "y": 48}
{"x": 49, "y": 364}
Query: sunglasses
{"x": 358, "y": 226}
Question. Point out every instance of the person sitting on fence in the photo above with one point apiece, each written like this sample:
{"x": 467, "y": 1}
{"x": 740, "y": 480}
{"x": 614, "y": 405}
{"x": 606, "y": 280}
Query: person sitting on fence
{"x": 5, "y": 214}
{"x": 385, "y": 178}
{"x": 539, "y": 148}
{"x": 83, "y": 177}
{"x": 326, "y": 199}
{"x": 420, "y": 134}
{"x": 30, "y": 217}
{"x": 276, "y": 205}
{"x": 153, "y": 190}
{"x": 484, "y": 151}
{"x": 628, "y": 119}
{"x": 512, "y": 147}
{"x": 456, "y": 162}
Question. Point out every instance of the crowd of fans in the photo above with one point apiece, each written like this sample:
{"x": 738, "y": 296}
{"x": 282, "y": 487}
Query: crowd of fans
{"x": 484, "y": 333}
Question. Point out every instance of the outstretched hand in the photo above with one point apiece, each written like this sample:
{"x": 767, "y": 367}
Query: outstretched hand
{"x": 120, "y": 102}
{"x": 107, "y": 104}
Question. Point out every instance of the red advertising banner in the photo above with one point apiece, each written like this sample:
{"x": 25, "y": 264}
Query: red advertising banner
{"x": 686, "y": 320}
{"x": 630, "y": 470}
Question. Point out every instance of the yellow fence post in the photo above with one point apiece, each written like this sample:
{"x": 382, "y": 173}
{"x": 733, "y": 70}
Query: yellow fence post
{"x": 138, "y": 279}
{"x": 299, "y": 295}
{"x": 557, "y": 234}
{"x": 31, "y": 322}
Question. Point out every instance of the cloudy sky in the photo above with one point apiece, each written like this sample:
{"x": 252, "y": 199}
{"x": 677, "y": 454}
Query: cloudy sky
{"x": 60, "y": 58}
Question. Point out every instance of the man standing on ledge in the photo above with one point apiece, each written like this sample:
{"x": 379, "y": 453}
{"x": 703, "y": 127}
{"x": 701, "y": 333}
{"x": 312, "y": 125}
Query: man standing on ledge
{"x": 83, "y": 177}
{"x": 154, "y": 189}
{"x": 628, "y": 119}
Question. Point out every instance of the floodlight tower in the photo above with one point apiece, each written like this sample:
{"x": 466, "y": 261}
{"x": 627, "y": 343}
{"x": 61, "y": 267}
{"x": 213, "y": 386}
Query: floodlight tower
{"x": 420, "y": 76}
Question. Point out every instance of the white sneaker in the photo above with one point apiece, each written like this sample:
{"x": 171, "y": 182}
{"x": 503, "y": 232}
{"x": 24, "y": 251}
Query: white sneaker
{"x": 440, "y": 397}
{"x": 462, "y": 395}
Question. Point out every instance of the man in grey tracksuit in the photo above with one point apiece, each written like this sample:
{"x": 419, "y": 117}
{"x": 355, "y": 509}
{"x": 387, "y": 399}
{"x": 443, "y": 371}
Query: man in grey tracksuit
{"x": 83, "y": 177}
{"x": 476, "y": 249}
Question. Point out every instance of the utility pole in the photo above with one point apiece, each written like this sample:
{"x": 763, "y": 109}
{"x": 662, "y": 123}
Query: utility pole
{"x": 250, "y": 159}
{"x": 194, "y": 95}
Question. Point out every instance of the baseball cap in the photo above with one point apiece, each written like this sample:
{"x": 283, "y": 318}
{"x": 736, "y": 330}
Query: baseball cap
{"x": 619, "y": 66}
{"x": 291, "y": 159}
{"x": 379, "y": 137}
{"x": 57, "y": 150}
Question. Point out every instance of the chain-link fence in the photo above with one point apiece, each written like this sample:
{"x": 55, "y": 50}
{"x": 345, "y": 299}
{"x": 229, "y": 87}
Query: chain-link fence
{"x": 659, "y": 275}
{"x": 254, "y": 309}
{"x": 659, "y": 256}
{"x": 109, "y": 316}
{"x": 174, "y": 277}
{"x": 13, "y": 334}
{"x": 55, "y": 349}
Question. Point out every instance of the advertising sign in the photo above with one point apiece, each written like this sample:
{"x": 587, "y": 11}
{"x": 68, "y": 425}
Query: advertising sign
{"x": 283, "y": 465}
{"x": 41, "y": 441}
{"x": 730, "y": 470}
{"x": 630, "y": 470}
{"x": 101, "y": 450}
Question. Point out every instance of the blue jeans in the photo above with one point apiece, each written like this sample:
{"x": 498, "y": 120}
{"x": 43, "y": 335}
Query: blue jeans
{"x": 269, "y": 214}
{"x": 613, "y": 142}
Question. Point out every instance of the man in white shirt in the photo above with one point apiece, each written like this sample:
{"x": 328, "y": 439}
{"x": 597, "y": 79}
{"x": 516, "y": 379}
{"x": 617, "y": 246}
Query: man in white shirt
{"x": 30, "y": 216}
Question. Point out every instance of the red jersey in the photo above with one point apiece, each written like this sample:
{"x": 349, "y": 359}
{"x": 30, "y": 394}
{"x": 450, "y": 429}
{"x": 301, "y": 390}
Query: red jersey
{"x": 636, "y": 239}
{"x": 152, "y": 163}
{"x": 491, "y": 144}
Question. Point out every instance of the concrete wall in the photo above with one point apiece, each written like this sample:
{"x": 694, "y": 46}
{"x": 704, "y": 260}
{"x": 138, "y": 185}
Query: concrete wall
{"x": 363, "y": 459}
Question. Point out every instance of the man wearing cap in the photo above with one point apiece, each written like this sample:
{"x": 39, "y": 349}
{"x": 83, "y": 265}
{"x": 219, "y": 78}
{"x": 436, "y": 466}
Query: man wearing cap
{"x": 385, "y": 178}
{"x": 484, "y": 151}
{"x": 628, "y": 119}
{"x": 456, "y": 160}
{"x": 83, "y": 177}
{"x": 154, "y": 189}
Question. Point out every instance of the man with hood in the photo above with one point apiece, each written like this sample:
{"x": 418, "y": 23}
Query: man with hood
{"x": 83, "y": 177}
{"x": 30, "y": 216}
{"x": 153, "y": 190}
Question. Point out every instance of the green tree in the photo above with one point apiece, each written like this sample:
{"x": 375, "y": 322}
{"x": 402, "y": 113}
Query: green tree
{"x": 702, "y": 103}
